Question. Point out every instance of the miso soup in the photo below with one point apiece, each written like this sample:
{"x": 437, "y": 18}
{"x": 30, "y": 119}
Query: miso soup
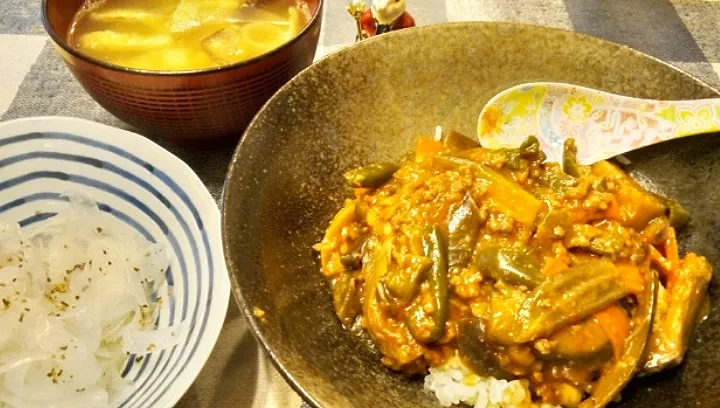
{"x": 176, "y": 35}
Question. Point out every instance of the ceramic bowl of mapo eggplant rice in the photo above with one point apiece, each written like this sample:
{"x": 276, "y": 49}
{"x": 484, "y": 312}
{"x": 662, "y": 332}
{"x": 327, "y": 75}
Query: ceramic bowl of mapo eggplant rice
{"x": 384, "y": 258}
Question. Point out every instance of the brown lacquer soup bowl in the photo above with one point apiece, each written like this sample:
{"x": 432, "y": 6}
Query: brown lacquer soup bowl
{"x": 195, "y": 108}
{"x": 369, "y": 103}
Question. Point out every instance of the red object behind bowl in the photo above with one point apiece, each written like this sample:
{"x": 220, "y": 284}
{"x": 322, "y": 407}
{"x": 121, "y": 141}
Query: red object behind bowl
{"x": 192, "y": 107}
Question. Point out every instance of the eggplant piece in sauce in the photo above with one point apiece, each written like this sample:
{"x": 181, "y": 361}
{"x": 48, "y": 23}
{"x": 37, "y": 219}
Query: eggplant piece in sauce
{"x": 671, "y": 332}
{"x": 511, "y": 265}
{"x": 463, "y": 225}
{"x": 569, "y": 297}
{"x": 581, "y": 345}
{"x": 403, "y": 283}
{"x": 345, "y": 298}
{"x": 352, "y": 259}
{"x": 476, "y": 351}
{"x": 619, "y": 374}
{"x": 457, "y": 141}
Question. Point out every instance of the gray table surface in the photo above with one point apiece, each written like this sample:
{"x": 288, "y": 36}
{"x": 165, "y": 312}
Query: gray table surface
{"x": 34, "y": 82}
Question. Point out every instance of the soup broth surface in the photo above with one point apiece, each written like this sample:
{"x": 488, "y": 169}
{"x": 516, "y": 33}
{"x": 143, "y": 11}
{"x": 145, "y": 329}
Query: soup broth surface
{"x": 176, "y": 35}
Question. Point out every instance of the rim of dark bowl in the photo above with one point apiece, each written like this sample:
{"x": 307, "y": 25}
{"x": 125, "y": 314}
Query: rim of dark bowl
{"x": 245, "y": 309}
{"x": 62, "y": 42}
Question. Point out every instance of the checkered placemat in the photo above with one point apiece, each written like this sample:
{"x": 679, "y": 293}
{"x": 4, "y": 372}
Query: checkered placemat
{"x": 34, "y": 82}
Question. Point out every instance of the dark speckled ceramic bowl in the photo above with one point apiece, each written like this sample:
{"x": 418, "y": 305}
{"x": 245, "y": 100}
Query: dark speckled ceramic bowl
{"x": 368, "y": 103}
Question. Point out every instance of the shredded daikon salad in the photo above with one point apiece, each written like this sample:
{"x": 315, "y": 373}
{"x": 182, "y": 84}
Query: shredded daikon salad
{"x": 79, "y": 297}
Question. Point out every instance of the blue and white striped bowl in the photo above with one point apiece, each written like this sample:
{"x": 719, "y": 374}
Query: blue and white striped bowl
{"x": 154, "y": 192}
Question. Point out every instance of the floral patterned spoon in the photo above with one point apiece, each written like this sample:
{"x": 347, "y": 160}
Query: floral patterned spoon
{"x": 603, "y": 124}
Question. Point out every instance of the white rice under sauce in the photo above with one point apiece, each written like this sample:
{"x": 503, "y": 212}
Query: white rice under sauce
{"x": 78, "y": 296}
{"x": 454, "y": 384}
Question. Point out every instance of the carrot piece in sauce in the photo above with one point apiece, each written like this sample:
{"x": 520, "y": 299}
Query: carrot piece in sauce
{"x": 554, "y": 266}
{"x": 663, "y": 265}
{"x": 426, "y": 148}
{"x": 631, "y": 277}
{"x": 616, "y": 324}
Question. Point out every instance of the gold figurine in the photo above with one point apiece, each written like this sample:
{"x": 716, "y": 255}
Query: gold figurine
{"x": 356, "y": 8}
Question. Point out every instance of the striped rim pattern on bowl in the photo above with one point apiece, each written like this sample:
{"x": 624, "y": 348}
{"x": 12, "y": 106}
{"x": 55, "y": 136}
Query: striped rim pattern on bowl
{"x": 154, "y": 193}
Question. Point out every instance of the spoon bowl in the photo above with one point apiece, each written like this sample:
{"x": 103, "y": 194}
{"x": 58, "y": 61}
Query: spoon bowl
{"x": 603, "y": 124}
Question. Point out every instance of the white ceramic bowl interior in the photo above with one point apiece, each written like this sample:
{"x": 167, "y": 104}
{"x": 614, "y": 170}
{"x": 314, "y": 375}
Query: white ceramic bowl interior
{"x": 155, "y": 193}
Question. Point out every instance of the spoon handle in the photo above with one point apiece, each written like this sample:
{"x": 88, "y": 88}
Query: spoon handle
{"x": 606, "y": 125}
